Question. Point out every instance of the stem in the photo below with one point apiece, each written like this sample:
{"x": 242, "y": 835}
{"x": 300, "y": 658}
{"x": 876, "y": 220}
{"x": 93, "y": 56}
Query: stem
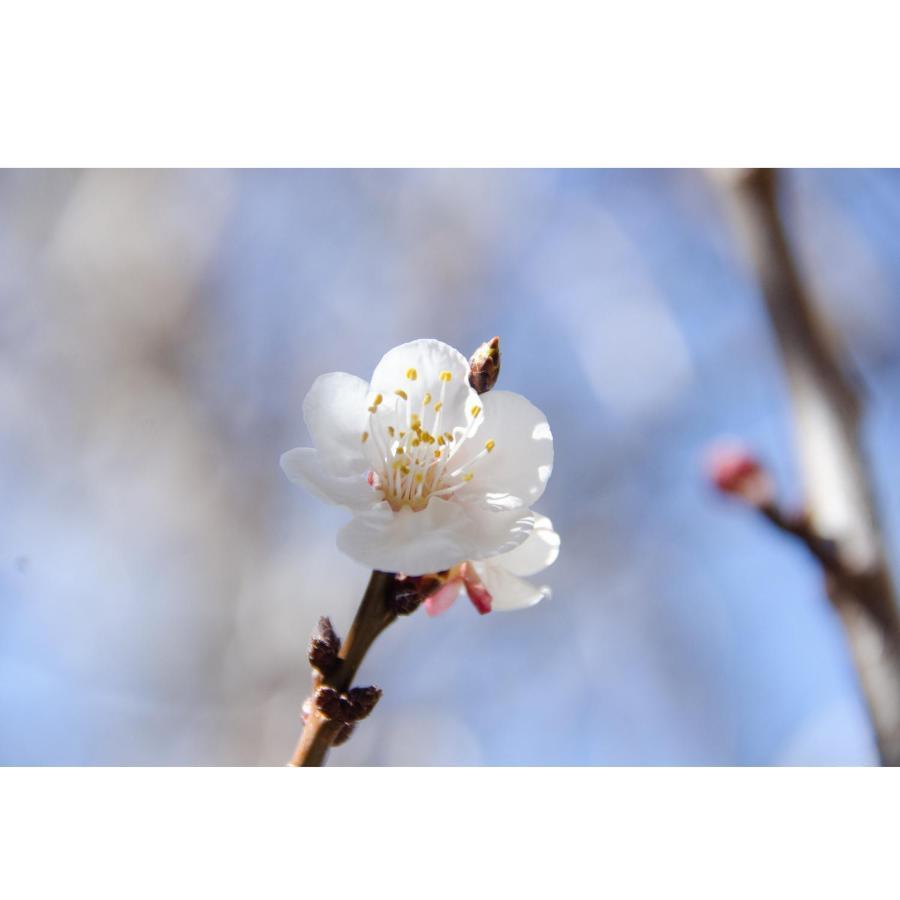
{"x": 827, "y": 409}
{"x": 375, "y": 613}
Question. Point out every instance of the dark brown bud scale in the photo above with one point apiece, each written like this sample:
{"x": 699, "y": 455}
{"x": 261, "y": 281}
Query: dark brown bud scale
{"x": 363, "y": 700}
{"x": 347, "y": 708}
{"x": 324, "y": 647}
{"x": 484, "y": 366}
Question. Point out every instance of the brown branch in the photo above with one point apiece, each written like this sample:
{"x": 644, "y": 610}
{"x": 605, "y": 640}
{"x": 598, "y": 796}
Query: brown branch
{"x": 376, "y": 611}
{"x": 826, "y": 409}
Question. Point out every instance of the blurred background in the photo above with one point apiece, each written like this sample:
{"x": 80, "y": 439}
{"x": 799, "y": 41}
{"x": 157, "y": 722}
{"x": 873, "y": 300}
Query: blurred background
{"x": 159, "y": 576}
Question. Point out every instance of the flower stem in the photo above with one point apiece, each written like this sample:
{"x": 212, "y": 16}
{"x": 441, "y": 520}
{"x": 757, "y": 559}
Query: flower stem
{"x": 375, "y": 613}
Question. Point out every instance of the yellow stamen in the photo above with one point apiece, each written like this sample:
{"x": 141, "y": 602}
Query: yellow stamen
{"x": 446, "y": 376}
{"x": 437, "y": 454}
{"x": 412, "y": 374}
{"x": 391, "y": 431}
{"x": 427, "y": 398}
{"x": 437, "y": 406}
{"x": 475, "y": 410}
{"x": 468, "y": 476}
{"x": 418, "y": 477}
{"x": 489, "y": 446}
{"x": 441, "y": 440}
{"x": 365, "y": 435}
{"x": 402, "y": 394}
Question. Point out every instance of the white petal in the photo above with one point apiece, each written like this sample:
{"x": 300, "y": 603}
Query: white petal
{"x": 515, "y": 472}
{"x": 305, "y": 466}
{"x": 335, "y": 411}
{"x": 508, "y": 591}
{"x": 533, "y": 555}
{"x": 433, "y": 539}
{"x": 427, "y": 359}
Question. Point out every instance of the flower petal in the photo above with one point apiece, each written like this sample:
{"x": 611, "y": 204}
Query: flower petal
{"x": 533, "y": 555}
{"x": 335, "y": 411}
{"x": 415, "y": 369}
{"x": 306, "y": 467}
{"x": 443, "y": 598}
{"x": 516, "y": 470}
{"x": 433, "y": 539}
{"x": 508, "y": 591}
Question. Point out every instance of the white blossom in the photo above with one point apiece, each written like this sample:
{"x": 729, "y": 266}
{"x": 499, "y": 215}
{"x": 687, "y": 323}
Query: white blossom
{"x": 433, "y": 473}
{"x": 499, "y": 583}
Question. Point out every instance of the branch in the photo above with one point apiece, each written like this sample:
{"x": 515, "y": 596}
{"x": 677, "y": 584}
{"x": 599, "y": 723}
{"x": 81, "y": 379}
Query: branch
{"x": 827, "y": 407}
{"x": 335, "y": 707}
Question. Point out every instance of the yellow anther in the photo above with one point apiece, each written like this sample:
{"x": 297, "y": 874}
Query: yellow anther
{"x": 448, "y": 435}
{"x": 489, "y": 446}
{"x": 396, "y": 464}
{"x": 427, "y": 398}
{"x": 419, "y": 477}
{"x": 468, "y": 476}
{"x": 365, "y": 435}
{"x": 391, "y": 431}
{"x": 378, "y": 399}
{"x": 416, "y": 442}
{"x": 412, "y": 374}
{"x": 437, "y": 454}
{"x": 437, "y": 406}
{"x": 399, "y": 451}
{"x": 404, "y": 470}
{"x": 415, "y": 421}
{"x": 373, "y": 408}
{"x": 446, "y": 376}
{"x": 475, "y": 410}
{"x": 402, "y": 394}
{"x": 402, "y": 434}
{"x": 441, "y": 440}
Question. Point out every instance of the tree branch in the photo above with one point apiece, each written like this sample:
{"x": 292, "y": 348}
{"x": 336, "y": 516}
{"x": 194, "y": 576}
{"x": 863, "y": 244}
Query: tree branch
{"x": 377, "y": 610}
{"x": 827, "y": 408}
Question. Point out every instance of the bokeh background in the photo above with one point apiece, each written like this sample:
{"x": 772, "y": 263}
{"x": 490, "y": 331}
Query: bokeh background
{"x": 159, "y": 576}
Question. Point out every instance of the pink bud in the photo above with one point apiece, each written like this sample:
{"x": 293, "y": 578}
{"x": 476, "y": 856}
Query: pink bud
{"x": 735, "y": 470}
{"x": 478, "y": 593}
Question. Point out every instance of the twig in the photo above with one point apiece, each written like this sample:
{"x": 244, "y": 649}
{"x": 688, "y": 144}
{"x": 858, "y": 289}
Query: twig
{"x": 376, "y": 611}
{"x": 827, "y": 408}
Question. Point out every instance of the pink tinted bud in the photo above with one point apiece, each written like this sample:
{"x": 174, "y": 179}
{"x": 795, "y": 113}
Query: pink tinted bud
{"x": 478, "y": 593}
{"x": 734, "y": 469}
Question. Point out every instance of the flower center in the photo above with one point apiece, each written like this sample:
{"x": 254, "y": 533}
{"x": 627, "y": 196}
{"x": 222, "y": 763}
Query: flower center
{"x": 412, "y": 458}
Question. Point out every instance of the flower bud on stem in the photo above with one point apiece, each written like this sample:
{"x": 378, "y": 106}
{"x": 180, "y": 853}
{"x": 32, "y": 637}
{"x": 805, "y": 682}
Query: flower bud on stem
{"x": 484, "y": 366}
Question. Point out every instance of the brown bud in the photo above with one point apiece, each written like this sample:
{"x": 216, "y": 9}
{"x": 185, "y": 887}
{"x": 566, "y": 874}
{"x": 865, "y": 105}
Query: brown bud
{"x": 363, "y": 700}
{"x": 334, "y": 705}
{"x": 324, "y": 646}
{"x": 484, "y": 366}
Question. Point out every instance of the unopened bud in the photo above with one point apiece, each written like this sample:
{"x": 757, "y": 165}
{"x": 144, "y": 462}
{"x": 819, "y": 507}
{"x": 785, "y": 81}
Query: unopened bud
{"x": 334, "y": 705}
{"x": 363, "y": 700}
{"x": 735, "y": 470}
{"x": 347, "y": 708}
{"x": 484, "y": 366}
{"x": 324, "y": 646}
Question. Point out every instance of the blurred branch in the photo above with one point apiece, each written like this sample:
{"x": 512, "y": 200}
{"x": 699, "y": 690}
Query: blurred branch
{"x": 842, "y": 519}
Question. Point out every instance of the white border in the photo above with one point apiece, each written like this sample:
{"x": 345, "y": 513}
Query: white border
{"x": 469, "y": 83}
{"x": 447, "y": 833}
